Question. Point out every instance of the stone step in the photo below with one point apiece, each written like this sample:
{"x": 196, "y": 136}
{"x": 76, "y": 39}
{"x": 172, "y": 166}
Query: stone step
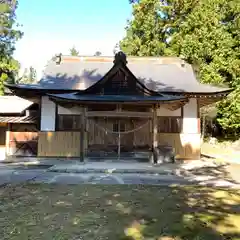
{"x": 124, "y": 156}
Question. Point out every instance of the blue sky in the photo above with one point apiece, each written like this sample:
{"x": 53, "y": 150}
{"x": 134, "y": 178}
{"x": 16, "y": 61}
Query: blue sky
{"x": 53, "y": 26}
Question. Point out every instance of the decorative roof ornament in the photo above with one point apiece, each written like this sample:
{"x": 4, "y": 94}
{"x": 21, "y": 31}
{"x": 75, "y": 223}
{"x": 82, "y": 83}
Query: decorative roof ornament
{"x": 120, "y": 57}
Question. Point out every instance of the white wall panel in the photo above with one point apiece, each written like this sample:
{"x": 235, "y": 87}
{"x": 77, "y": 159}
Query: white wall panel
{"x": 190, "y": 116}
{"x": 48, "y": 109}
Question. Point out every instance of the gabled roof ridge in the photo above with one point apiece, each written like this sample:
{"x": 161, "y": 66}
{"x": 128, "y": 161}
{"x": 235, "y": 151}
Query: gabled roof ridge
{"x": 92, "y": 56}
{"x": 112, "y": 56}
{"x": 130, "y": 59}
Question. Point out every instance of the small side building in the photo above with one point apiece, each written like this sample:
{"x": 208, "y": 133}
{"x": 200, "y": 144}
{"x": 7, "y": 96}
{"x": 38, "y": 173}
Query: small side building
{"x": 114, "y": 106}
{"x": 18, "y": 127}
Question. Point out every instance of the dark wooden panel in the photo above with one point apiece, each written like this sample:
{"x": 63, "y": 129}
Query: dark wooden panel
{"x": 24, "y": 127}
{"x": 2, "y": 136}
{"x": 23, "y": 143}
{"x": 170, "y": 124}
{"x": 68, "y": 122}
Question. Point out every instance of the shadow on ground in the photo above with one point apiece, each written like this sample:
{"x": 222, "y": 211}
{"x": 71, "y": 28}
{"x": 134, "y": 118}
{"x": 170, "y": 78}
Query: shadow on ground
{"x": 118, "y": 212}
{"x": 226, "y": 173}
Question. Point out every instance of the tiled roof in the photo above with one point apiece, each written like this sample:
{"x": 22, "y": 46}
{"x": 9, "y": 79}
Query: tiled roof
{"x": 163, "y": 74}
{"x": 24, "y": 119}
{"x": 13, "y": 104}
{"x": 115, "y": 98}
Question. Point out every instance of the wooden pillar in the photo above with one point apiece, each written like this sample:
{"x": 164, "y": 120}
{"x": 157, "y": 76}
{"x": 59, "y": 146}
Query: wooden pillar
{"x": 7, "y": 140}
{"x": 154, "y": 127}
{"x": 86, "y": 128}
{"x": 83, "y": 135}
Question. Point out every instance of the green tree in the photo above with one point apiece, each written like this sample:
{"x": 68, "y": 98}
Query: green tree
{"x": 24, "y": 77}
{"x": 74, "y": 51}
{"x": 205, "y": 33}
{"x": 229, "y": 114}
{"x": 32, "y": 75}
{"x": 9, "y": 35}
{"x": 29, "y": 76}
{"x": 97, "y": 53}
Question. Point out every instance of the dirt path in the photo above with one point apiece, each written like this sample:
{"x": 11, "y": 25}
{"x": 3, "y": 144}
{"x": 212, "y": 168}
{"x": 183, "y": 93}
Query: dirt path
{"x": 234, "y": 171}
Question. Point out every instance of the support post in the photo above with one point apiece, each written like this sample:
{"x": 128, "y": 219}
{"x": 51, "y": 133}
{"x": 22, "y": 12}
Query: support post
{"x": 86, "y": 129}
{"x": 119, "y": 139}
{"x": 154, "y": 128}
{"x": 83, "y": 135}
{"x": 7, "y": 143}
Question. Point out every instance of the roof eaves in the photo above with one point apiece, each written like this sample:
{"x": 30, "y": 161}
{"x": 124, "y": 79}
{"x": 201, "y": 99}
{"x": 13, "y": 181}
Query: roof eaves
{"x": 19, "y": 119}
{"x": 165, "y": 97}
{"x": 14, "y": 104}
{"x": 224, "y": 92}
{"x": 41, "y": 90}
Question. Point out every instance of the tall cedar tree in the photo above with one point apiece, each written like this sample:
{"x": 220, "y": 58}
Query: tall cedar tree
{"x": 8, "y": 37}
{"x": 205, "y": 33}
{"x": 74, "y": 51}
{"x": 29, "y": 76}
{"x": 97, "y": 53}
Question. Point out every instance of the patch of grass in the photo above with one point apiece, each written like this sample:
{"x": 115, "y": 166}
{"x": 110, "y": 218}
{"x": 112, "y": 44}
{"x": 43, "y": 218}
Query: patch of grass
{"x": 118, "y": 212}
{"x": 219, "y": 149}
{"x": 208, "y": 148}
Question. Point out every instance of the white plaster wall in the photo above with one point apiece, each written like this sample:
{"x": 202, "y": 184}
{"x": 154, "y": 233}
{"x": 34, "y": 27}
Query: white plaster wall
{"x": 2, "y": 153}
{"x": 190, "y": 116}
{"x": 47, "y": 114}
{"x": 164, "y": 112}
{"x": 69, "y": 111}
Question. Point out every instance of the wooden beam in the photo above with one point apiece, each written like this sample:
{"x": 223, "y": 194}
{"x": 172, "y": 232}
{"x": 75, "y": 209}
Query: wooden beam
{"x": 174, "y": 105}
{"x": 119, "y": 114}
{"x": 205, "y": 102}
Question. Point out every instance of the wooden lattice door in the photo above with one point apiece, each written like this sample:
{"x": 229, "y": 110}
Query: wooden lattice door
{"x": 115, "y": 136}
